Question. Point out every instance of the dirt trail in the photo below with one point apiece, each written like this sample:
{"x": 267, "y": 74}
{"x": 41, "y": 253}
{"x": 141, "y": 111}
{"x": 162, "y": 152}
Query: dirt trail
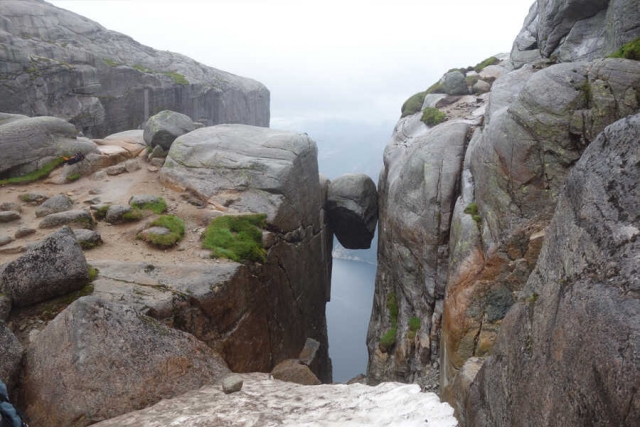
{"x": 120, "y": 241}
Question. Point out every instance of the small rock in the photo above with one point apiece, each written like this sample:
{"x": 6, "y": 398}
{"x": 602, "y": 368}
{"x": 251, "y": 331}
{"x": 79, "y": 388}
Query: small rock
{"x": 481, "y": 87}
{"x": 157, "y": 162}
{"x": 10, "y": 206}
{"x": 157, "y": 153}
{"x": 12, "y": 250}
{"x": 99, "y": 176}
{"x": 116, "y": 169}
{"x": 232, "y": 384}
{"x": 59, "y": 203}
{"x": 5, "y": 240}
{"x": 23, "y": 232}
{"x": 33, "y": 198}
{"x": 117, "y": 214}
{"x": 308, "y": 353}
{"x": 294, "y": 371}
{"x": 87, "y": 239}
{"x": 94, "y": 201}
{"x": 9, "y": 216}
{"x": 78, "y": 217}
{"x": 268, "y": 239}
{"x": 152, "y": 169}
{"x": 95, "y": 191}
{"x": 131, "y": 165}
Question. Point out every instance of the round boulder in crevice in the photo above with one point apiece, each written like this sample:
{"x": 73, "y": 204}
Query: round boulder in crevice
{"x": 163, "y": 128}
{"x": 352, "y": 205}
{"x": 53, "y": 267}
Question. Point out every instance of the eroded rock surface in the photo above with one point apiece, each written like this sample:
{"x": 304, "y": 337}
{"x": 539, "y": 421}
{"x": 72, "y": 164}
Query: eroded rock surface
{"x": 567, "y": 351}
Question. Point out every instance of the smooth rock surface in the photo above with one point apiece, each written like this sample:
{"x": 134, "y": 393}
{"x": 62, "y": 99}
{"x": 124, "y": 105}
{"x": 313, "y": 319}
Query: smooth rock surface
{"x": 455, "y": 84}
{"x": 232, "y": 384}
{"x": 571, "y": 343}
{"x": 53, "y": 267}
{"x": 112, "y": 360}
{"x": 352, "y": 206}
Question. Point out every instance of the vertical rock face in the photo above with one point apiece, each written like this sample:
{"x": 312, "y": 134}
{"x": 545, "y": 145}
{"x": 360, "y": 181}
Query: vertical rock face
{"x": 240, "y": 168}
{"x": 417, "y": 191}
{"x": 54, "y": 62}
{"x": 568, "y": 350}
{"x": 576, "y": 30}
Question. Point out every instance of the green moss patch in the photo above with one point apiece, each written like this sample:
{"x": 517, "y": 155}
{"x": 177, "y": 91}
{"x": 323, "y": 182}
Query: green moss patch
{"x": 413, "y": 104}
{"x": 134, "y": 214}
{"x": 35, "y": 175}
{"x": 177, "y": 78}
{"x": 236, "y": 237}
{"x": 630, "y": 50}
{"x": 53, "y": 307}
{"x": 73, "y": 177}
{"x": 93, "y": 273}
{"x": 492, "y": 60}
{"x": 388, "y": 340}
{"x": 414, "y": 325}
{"x": 157, "y": 207}
{"x": 472, "y": 209}
{"x": 171, "y": 222}
{"x": 437, "y": 87}
{"x": 432, "y": 116}
{"x": 101, "y": 212}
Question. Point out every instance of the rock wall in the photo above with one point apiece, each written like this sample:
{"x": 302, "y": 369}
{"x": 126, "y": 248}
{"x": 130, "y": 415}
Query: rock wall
{"x": 568, "y": 349}
{"x": 54, "y": 62}
{"x": 492, "y": 219}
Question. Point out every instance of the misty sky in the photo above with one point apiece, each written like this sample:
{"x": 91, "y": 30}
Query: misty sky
{"x": 352, "y": 60}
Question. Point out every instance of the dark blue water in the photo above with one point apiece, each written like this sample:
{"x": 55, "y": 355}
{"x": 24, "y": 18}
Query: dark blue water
{"x": 348, "y": 313}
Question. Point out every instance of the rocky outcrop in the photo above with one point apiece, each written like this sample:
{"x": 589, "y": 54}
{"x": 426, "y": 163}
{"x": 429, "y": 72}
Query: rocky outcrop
{"x": 28, "y": 144}
{"x": 111, "y": 360}
{"x": 54, "y": 62}
{"x": 575, "y": 30}
{"x": 352, "y": 206}
{"x": 263, "y": 401}
{"x": 53, "y": 267}
{"x": 567, "y": 351}
{"x": 417, "y": 191}
{"x": 515, "y": 169}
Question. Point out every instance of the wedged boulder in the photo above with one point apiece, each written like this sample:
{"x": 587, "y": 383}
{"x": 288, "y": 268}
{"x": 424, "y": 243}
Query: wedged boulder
{"x": 105, "y": 82}
{"x": 10, "y": 356}
{"x": 352, "y": 206}
{"x": 47, "y": 138}
{"x": 77, "y": 217}
{"x": 112, "y": 360}
{"x": 55, "y": 204}
{"x": 163, "y": 128}
{"x": 571, "y": 343}
{"x": 249, "y": 169}
{"x": 294, "y": 371}
{"x": 454, "y": 83}
{"x": 53, "y": 267}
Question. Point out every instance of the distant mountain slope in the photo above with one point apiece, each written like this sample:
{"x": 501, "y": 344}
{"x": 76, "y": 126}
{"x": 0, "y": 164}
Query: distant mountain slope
{"x": 55, "y": 62}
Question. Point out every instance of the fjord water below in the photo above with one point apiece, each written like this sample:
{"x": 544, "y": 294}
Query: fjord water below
{"x": 348, "y": 313}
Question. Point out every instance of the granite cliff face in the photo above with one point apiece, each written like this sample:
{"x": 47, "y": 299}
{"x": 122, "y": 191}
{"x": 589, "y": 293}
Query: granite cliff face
{"x": 56, "y": 63}
{"x": 468, "y": 244}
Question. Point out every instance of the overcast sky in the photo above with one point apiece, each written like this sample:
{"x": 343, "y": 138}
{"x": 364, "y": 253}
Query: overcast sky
{"x": 357, "y": 60}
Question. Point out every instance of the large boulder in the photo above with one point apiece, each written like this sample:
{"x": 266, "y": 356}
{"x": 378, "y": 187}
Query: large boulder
{"x": 10, "y": 356}
{"x": 567, "y": 353}
{"x": 294, "y": 371}
{"x": 163, "y": 128}
{"x": 251, "y": 168}
{"x": 57, "y": 63}
{"x": 53, "y": 267}
{"x": 352, "y": 206}
{"x": 28, "y": 144}
{"x": 576, "y": 30}
{"x": 454, "y": 83}
{"x": 111, "y": 360}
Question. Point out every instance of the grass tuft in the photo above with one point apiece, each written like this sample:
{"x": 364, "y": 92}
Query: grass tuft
{"x": 73, "y": 177}
{"x": 388, "y": 340}
{"x": 413, "y": 104}
{"x": 236, "y": 237}
{"x": 630, "y": 50}
{"x": 170, "y": 222}
{"x": 158, "y": 207}
{"x": 492, "y": 60}
{"x": 134, "y": 214}
{"x": 432, "y": 116}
